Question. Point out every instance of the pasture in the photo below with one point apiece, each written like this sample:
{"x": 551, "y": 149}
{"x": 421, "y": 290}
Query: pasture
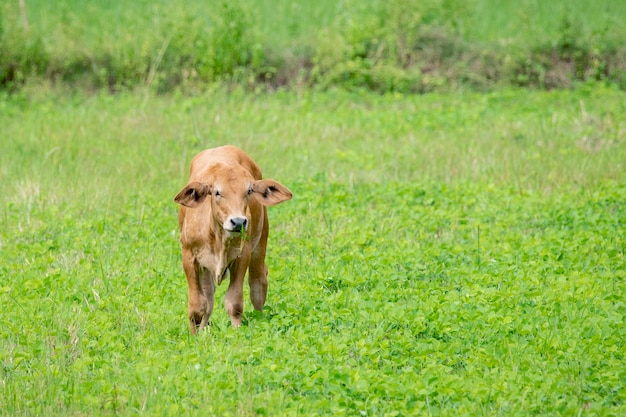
{"x": 458, "y": 254}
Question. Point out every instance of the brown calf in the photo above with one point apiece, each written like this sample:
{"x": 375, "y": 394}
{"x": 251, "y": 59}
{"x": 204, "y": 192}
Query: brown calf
{"x": 224, "y": 228}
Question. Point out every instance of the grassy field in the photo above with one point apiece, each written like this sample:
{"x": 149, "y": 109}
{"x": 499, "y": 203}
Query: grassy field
{"x": 442, "y": 255}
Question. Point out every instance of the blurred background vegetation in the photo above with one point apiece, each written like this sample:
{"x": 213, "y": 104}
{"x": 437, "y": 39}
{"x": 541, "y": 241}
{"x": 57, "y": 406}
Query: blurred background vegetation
{"x": 408, "y": 46}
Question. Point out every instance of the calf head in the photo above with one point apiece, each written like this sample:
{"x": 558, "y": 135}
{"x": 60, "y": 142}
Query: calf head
{"x": 229, "y": 192}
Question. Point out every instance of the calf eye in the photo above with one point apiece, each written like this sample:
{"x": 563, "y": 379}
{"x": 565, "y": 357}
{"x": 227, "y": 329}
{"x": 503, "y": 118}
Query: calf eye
{"x": 250, "y": 191}
{"x": 217, "y": 193}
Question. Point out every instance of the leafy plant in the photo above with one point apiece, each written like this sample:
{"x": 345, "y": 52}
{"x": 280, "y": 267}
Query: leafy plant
{"x": 405, "y": 46}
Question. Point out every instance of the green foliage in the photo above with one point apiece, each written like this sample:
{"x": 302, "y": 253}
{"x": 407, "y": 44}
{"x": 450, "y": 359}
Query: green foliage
{"x": 372, "y": 49}
{"x": 444, "y": 255}
{"x": 22, "y": 53}
{"x": 402, "y": 46}
{"x": 215, "y": 45}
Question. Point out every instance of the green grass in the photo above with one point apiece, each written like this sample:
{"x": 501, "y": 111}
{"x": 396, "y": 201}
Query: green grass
{"x": 443, "y": 254}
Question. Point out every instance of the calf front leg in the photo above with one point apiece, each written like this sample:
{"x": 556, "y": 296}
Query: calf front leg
{"x": 201, "y": 292}
{"x": 233, "y": 301}
{"x": 258, "y": 270}
{"x": 258, "y": 282}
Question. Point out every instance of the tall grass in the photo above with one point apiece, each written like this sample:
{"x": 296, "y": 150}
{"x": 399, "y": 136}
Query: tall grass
{"x": 530, "y": 22}
{"x": 408, "y": 46}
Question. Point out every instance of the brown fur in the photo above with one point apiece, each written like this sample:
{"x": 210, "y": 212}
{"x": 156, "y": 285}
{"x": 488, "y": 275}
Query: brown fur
{"x": 225, "y": 195}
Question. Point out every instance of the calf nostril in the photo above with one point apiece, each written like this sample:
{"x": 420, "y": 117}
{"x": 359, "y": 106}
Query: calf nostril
{"x": 238, "y": 224}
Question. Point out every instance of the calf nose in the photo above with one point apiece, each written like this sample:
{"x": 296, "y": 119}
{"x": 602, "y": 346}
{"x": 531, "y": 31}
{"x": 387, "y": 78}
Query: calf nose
{"x": 237, "y": 224}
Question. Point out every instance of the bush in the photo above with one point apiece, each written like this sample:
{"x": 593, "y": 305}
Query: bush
{"x": 403, "y": 46}
{"x": 211, "y": 48}
{"x": 22, "y": 55}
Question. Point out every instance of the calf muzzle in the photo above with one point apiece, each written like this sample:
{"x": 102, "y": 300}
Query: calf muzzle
{"x": 236, "y": 224}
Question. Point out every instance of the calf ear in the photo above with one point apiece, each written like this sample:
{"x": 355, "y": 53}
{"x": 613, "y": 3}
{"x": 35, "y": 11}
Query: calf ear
{"x": 270, "y": 192}
{"x": 193, "y": 194}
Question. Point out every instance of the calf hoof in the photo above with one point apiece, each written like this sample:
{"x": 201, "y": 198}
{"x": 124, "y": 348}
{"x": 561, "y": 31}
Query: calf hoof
{"x": 197, "y": 322}
{"x": 235, "y": 321}
{"x": 234, "y": 311}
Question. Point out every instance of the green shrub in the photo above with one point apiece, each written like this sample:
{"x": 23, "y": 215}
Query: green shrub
{"x": 22, "y": 55}
{"x": 406, "y": 46}
{"x": 213, "y": 44}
